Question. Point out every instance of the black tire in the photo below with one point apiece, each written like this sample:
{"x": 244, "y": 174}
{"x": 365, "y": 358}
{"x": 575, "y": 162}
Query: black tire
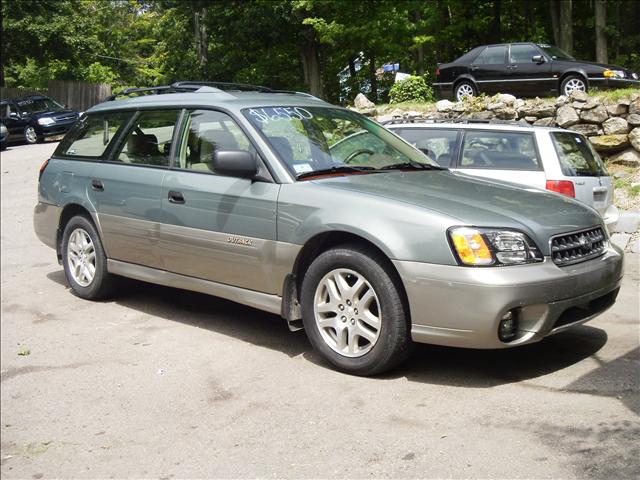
{"x": 464, "y": 84}
{"x": 30, "y": 135}
{"x": 573, "y": 80}
{"x": 393, "y": 344}
{"x": 103, "y": 282}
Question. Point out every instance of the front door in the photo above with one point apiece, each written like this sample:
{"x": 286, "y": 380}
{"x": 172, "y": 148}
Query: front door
{"x": 527, "y": 77}
{"x": 217, "y": 227}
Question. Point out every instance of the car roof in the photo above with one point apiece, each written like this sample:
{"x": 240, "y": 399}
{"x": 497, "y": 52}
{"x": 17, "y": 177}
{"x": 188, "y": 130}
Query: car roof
{"x": 472, "y": 126}
{"x": 211, "y": 97}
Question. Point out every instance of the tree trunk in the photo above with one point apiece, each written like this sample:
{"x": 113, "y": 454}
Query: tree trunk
{"x": 601, "y": 38}
{"x": 555, "y": 24}
{"x": 495, "y": 30}
{"x": 420, "y": 50}
{"x": 311, "y": 64}
{"x": 566, "y": 26}
{"x": 373, "y": 79}
{"x": 200, "y": 33}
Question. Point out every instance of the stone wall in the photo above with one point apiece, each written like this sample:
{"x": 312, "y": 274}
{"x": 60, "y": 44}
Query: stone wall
{"x": 612, "y": 126}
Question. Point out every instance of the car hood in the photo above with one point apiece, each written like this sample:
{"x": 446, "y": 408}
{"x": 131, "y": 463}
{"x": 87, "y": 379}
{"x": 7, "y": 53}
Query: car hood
{"x": 605, "y": 66}
{"x": 60, "y": 115}
{"x": 475, "y": 201}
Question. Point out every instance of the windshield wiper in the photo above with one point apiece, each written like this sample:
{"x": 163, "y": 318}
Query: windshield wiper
{"x": 335, "y": 169}
{"x": 414, "y": 165}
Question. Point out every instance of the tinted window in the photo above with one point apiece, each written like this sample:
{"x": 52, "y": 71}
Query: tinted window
{"x": 92, "y": 134}
{"x": 207, "y": 131}
{"x": 38, "y": 105}
{"x": 492, "y": 55}
{"x": 577, "y": 156}
{"x": 523, "y": 53}
{"x": 554, "y": 52}
{"x": 439, "y": 145}
{"x": 149, "y": 140}
{"x": 499, "y": 151}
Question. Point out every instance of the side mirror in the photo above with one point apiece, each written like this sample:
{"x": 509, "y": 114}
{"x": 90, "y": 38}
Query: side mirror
{"x": 235, "y": 163}
{"x": 538, "y": 59}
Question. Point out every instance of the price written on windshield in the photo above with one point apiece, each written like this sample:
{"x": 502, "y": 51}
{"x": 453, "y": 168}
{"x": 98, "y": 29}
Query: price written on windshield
{"x": 275, "y": 114}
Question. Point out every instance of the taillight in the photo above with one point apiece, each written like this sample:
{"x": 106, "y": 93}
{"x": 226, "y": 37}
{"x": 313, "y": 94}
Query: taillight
{"x": 565, "y": 187}
{"x": 42, "y": 167}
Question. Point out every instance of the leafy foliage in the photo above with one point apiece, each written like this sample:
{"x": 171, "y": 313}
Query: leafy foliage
{"x": 412, "y": 88}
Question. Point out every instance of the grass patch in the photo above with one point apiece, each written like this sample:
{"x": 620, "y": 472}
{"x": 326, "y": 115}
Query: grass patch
{"x": 613, "y": 95}
{"x": 634, "y": 191}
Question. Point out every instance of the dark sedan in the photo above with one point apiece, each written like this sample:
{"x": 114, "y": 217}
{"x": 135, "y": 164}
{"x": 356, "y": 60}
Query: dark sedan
{"x": 34, "y": 118}
{"x": 526, "y": 69}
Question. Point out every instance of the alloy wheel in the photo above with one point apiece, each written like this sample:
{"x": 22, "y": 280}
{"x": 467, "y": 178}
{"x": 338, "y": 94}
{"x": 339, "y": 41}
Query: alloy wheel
{"x": 30, "y": 135}
{"x": 464, "y": 90}
{"x": 575, "y": 84}
{"x": 81, "y": 257}
{"x": 347, "y": 312}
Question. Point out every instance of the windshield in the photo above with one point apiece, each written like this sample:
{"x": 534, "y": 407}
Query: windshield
{"x": 310, "y": 139}
{"x": 577, "y": 156}
{"x": 554, "y": 52}
{"x": 37, "y": 105}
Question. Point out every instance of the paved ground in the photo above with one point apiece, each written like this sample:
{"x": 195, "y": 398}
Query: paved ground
{"x": 162, "y": 383}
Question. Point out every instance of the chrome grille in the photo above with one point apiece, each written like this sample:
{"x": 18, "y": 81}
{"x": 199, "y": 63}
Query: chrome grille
{"x": 578, "y": 246}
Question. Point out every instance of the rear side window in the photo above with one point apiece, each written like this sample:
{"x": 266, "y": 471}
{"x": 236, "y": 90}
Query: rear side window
{"x": 437, "y": 144}
{"x": 499, "y": 151}
{"x": 91, "y": 136}
{"x": 149, "y": 140}
{"x": 577, "y": 157}
{"x": 492, "y": 55}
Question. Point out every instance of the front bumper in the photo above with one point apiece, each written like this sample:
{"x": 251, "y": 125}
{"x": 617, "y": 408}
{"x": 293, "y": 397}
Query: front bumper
{"x": 54, "y": 129}
{"x": 462, "y": 306}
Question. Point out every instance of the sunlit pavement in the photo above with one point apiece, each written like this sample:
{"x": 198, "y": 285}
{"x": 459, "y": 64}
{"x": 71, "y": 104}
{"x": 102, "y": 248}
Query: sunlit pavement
{"x": 164, "y": 383}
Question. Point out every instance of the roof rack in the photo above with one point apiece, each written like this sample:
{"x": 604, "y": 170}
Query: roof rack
{"x": 493, "y": 121}
{"x": 195, "y": 86}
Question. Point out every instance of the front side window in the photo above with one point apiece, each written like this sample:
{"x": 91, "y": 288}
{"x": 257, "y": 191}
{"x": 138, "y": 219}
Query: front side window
{"x": 522, "y": 53}
{"x": 437, "y": 144}
{"x": 92, "y": 134}
{"x": 149, "y": 140}
{"x": 492, "y": 55}
{"x": 577, "y": 156}
{"x": 554, "y": 52}
{"x": 499, "y": 151}
{"x": 310, "y": 139}
{"x": 207, "y": 131}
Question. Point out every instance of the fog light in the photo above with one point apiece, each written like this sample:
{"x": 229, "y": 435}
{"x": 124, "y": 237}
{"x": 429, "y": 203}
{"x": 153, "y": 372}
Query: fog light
{"x": 508, "y": 326}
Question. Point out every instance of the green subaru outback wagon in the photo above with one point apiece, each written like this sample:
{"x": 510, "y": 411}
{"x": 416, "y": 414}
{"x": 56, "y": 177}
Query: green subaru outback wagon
{"x": 283, "y": 202}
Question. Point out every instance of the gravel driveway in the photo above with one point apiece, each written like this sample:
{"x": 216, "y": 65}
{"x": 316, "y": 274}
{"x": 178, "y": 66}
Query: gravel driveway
{"x": 162, "y": 383}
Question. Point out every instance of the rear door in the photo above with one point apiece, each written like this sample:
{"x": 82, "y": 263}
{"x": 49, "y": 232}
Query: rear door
{"x": 126, "y": 190}
{"x": 502, "y": 155}
{"x": 490, "y": 69}
{"x": 217, "y": 227}
{"x": 580, "y": 164}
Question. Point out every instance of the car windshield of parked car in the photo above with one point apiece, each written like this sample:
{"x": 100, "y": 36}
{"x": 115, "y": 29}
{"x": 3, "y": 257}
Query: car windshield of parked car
{"x": 577, "y": 156}
{"x": 310, "y": 139}
{"x": 554, "y": 52}
{"x": 38, "y": 105}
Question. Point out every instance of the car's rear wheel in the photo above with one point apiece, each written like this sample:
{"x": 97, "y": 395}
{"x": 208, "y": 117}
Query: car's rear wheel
{"x": 465, "y": 89}
{"x": 573, "y": 83}
{"x": 30, "y": 135}
{"x": 353, "y": 311}
{"x": 84, "y": 260}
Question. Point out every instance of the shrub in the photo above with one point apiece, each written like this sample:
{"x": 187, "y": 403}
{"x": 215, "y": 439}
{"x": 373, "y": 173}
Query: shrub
{"x": 412, "y": 88}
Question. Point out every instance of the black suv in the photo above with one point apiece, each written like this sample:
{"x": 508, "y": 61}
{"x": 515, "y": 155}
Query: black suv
{"x": 34, "y": 118}
{"x": 526, "y": 69}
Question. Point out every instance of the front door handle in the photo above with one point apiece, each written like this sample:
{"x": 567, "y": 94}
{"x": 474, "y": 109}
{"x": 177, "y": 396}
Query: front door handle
{"x": 97, "y": 185}
{"x": 176, "y": 197}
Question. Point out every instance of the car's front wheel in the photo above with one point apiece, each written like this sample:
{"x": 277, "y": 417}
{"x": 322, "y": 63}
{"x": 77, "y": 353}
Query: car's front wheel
{"x": 573, "y": 83}
{"x": 30, "y": 135}
{"x": 353, "y": 311}
{"x": 465, "y": 89}
{"x": 84, "y": 260}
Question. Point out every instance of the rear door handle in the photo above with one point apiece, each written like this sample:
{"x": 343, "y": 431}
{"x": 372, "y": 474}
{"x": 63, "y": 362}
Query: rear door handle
{"x": 97, "y": 185}
{"x": 176, "y": 197}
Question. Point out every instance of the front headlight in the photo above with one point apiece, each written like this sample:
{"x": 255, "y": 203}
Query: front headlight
{"x": 45, "y": 121}
{"x": 613, "y": 73}
{"x": 483, "y": 247}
